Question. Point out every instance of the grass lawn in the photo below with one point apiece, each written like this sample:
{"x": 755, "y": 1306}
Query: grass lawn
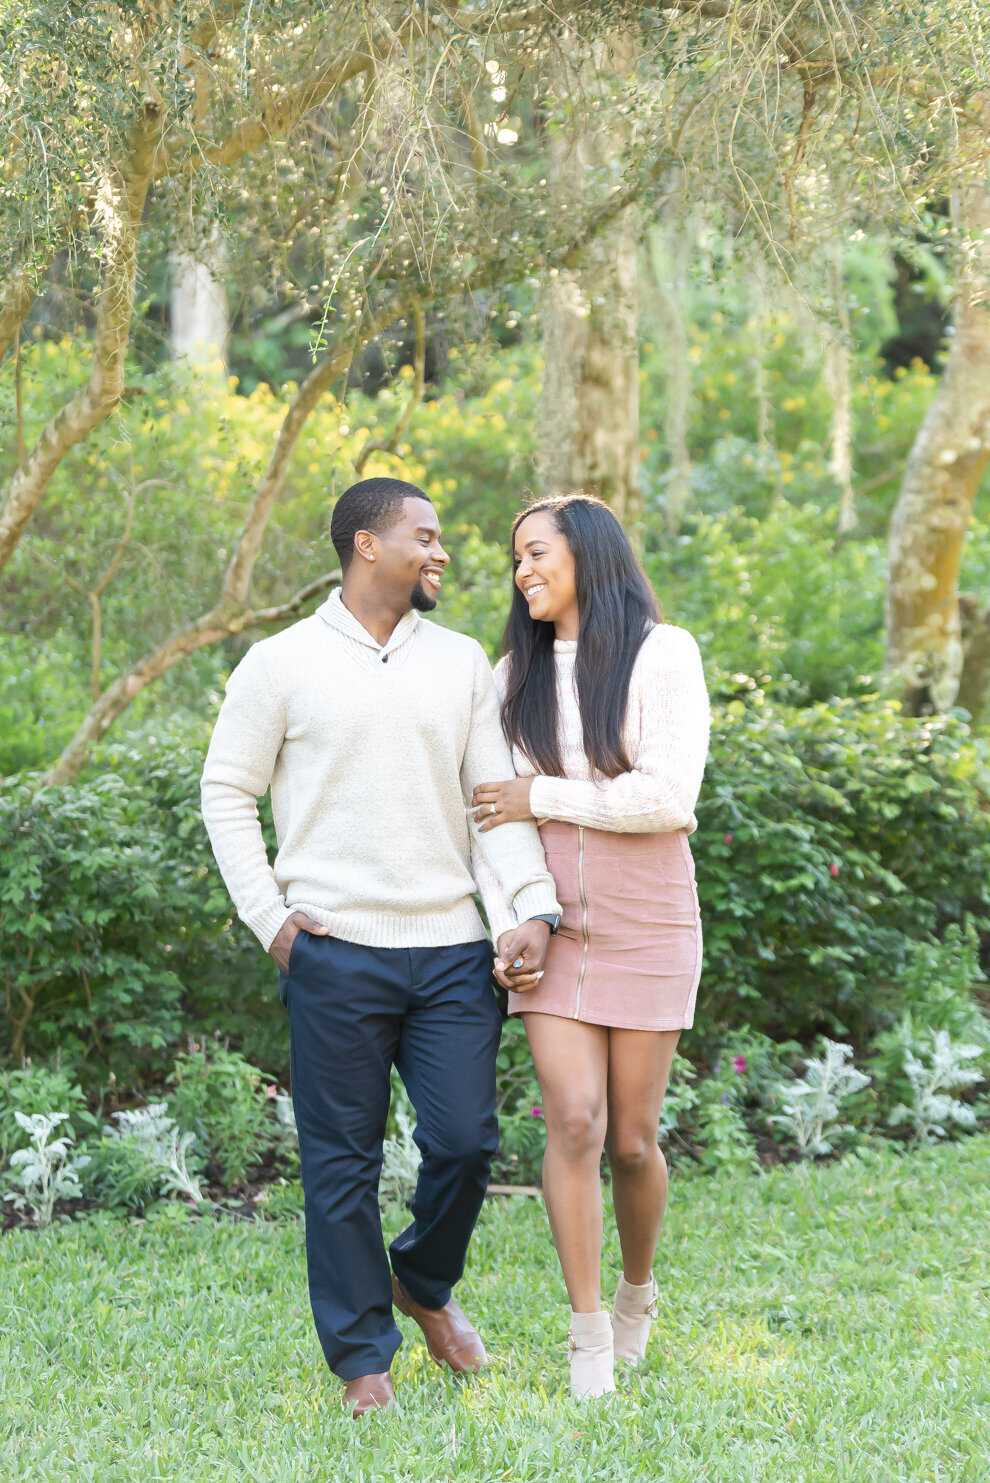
{"x": 817, "y": 1324}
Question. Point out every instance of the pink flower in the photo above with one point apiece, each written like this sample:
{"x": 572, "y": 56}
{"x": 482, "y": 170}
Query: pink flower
{"x": 833, "y": 869}
{"x": 739, "y": 1065}
{"x": 726, "y": 838}
{"x": 271, "y": 1093}
{"x": 536, "y": 1112}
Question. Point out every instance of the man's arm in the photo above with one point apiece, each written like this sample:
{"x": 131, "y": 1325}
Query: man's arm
{"x": 245, "y": 745}
{"x": 514, "y": 852}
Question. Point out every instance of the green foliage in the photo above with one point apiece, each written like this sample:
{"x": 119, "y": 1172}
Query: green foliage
{"x": 522, "y": 1133}
{"x": 123, "y": 1177}
{"x": 726, "y": 1142}
{"x": 936, "y": 993}
{"x": 31, "y": 1090}
{"x": 759, "y": 407}
{"x": 680, "y": 1097}
{"x": 774, "y": 596}
{"x": 217, "y": 1094}
{"x": 812, "y": 880}
{"x": 115, "y": 927}
{"x": 39, "y": 701}
{"x": 141, "y": 1159}
{"x": 107, "y": 897}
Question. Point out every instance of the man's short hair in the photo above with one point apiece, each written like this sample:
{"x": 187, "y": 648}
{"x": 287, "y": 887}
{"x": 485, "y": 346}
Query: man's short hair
{"x": 373, "y": 504}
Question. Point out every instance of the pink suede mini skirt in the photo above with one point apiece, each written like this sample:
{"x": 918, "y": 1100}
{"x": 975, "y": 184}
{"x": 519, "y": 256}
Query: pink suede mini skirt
{"x": 628, "y": 952}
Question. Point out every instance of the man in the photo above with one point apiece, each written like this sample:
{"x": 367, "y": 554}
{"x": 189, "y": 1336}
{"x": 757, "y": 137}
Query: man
{"x": 372, "y": 728}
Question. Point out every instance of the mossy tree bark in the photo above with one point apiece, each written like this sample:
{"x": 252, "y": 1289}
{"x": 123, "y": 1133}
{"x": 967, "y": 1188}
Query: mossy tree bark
{"x": 943, "y": 476}
{"x": 589, "y": 435}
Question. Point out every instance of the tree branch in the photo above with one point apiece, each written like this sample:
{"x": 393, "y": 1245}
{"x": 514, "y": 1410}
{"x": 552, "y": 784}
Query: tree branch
{"x": 121, "y": 206}
{"x": 266, "y": 617}
{"x": 230, "y": 613}
{"x": 272, "y": 122}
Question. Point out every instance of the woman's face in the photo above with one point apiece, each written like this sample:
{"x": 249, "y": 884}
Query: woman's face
{"x": 546, "y": 573}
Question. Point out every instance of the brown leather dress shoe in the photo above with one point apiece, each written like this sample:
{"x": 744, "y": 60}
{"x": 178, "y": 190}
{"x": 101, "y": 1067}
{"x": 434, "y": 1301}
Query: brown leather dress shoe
{"x": 369, "y": 1393}
{"x": 450, "y": 1338}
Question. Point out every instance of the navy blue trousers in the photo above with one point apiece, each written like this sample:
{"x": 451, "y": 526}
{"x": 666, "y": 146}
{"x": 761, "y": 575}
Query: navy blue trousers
{"x": 353, "y": 1013}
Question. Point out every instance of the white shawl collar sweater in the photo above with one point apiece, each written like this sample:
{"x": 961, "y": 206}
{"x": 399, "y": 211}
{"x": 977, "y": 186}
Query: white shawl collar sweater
{"x": 371, "y": 753}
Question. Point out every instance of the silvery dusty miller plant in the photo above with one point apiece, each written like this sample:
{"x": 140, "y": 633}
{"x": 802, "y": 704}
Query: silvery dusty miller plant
{"x": 45, "y": 1172}
{"x": 288, "y": 1133}
{"x": 811, "y": 1107}
{"x": 156, "y": 1135}
{"x": 933, "y": 1081}
{"x": 400, "y": 1164}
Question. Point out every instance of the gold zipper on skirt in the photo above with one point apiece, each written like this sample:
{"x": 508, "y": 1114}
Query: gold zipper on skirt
{"x": 584, "y": 923}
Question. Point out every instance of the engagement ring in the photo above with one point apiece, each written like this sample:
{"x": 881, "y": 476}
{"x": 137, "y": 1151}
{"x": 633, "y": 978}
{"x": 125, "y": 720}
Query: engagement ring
{"x": 492, "y": 809}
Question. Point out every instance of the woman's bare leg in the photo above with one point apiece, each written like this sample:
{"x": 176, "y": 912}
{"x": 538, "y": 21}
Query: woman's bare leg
{"x": 571, "y": 1061}
{"x": 638, "y": 1069}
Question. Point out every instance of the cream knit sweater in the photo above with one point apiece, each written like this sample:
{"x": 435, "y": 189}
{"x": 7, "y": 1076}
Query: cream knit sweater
{"x": 371, "y": 753}
{"x": 666, "y": 736}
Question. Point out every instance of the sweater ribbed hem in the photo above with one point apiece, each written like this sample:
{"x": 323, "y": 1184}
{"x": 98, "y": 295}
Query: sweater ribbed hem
{"x": 370, "y": 929}
{"x": 269, "y": 921}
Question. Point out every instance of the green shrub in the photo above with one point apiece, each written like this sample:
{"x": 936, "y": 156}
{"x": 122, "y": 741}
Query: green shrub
{"x": 123, "y": 1176}
{"x": 522, "y": 1134}
{"x": 936, "y": 992}
{"x": 142, "y": 1159}
{"x": 32, "y": 1090}
{"x": 775, "y": 596}
{"x": 832, "y": 837}
{"x": 115, "y": 927}
{"x": 97, "y": 888}
{"x": 216, "y": 1094}
{"x": 726, "y": 1141}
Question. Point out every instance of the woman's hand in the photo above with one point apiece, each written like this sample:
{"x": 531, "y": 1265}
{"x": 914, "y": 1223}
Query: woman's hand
{"x": 501, "y": 803}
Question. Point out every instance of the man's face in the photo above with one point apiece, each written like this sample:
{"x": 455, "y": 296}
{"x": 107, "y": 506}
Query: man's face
{"x": 411, "y": 558}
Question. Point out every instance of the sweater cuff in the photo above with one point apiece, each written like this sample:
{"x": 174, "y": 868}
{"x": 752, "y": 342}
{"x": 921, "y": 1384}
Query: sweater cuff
{"x": 535, "y": 900}
{"x": 268, "y": 922}
{"x": 541, "y": 799}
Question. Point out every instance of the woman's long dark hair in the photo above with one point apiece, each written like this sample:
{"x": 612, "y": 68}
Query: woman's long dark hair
{"x": 616, "y": 607}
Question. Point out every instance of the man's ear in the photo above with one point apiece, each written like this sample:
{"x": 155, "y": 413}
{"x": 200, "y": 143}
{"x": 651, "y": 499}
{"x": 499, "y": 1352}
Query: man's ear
{"x": 366, "y": 544}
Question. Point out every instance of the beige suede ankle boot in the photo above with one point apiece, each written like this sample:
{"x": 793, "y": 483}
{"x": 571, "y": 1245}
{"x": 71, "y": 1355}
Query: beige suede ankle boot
{"x": 633, "y": 1312}
{"x": 590, "y": 1341}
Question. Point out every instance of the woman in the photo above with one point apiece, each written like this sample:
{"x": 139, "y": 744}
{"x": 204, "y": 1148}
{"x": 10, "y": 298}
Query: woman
{"x": 606, "y": 711}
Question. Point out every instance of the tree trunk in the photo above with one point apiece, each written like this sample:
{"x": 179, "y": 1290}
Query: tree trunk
{"x": 199, "y": 306}
{"x": 589, "y": 436}
{"x": 929, "y": 523}
{"x": 974, "y": 682}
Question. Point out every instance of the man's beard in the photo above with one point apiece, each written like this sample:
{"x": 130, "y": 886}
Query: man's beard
{"x": 421, "y": 600}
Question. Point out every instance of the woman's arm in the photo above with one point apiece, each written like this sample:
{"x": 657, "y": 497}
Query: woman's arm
{"x": 660, "y": 792}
